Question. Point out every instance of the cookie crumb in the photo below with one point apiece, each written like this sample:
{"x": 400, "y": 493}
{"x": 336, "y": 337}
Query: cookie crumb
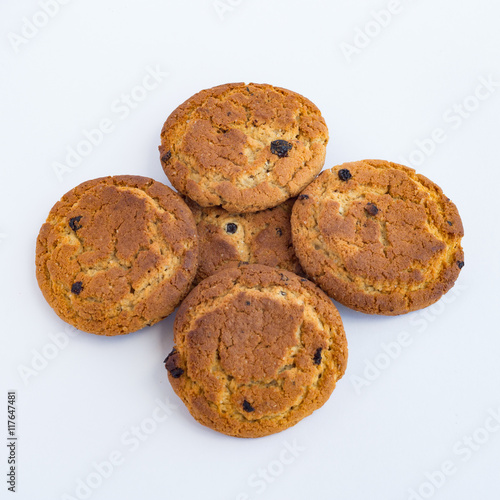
{"x": 344, "y": 174}
{"x": 317, "y": 356}
{"x": 280, "y": 148}
{"x": 247, "y": 406}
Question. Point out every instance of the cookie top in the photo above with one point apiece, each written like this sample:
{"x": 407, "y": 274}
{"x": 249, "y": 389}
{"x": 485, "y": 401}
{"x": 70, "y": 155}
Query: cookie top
{"x": 117, "y": 254}
{"x": 378, "y": 237}
{"x": 243, "y": 147}
{"x": 227, "y": 240}
{"x": 256, "y": 350}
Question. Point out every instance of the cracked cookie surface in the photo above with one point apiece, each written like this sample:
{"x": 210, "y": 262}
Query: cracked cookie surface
{"x": 377, "y": 237}
{"x": 243, "y": 147}
{"x": 227, "y": 240}
{"x": 117, "y": 254}
{"x": 256, "y": 350}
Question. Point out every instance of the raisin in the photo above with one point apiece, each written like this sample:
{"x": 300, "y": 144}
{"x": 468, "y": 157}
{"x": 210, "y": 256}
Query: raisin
{"x": 171, "y": 364}
{"x": 449, "y": 223}
{"x": 247, "y": 302}
{"x": 280, "y": 148}
{"x": 231, "y": 228}
{"x": 77, "y": 287}
{"x": 166, "y": 156}
{"x": 344, "y": 174}
{"x": 460, "y": 264}
{"x": 317, "y": 356}
{"x": 176, "y": 372}
{"x": 371, "y": 209}
{"x": 279, "y": 232}
{"x": 303, "y": 197}
{"x": 283, "y": 277}
{"x": 247, "y": 406}
{"x": 73, "y": 223}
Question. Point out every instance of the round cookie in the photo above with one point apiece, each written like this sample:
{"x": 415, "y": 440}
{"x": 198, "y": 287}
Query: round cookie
{"x": 117, "y": 254}
{"x": 256, "y": 350}
{"x": 227, "y": 240}
{"x": 243, "y": 147}
{"x": 378, "y": 237}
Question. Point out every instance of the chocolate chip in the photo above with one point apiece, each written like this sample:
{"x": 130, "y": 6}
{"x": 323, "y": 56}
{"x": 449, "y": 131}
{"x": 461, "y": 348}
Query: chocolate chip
{"x": 171, "y": 364}
{"x": 247, "y": 406}
{"x": 231, "y": 228}
{"x": 317, "y": 356}
{"x": 449, "y": 223}
{"x": 303, "y": 197}
{"x": 460, "y": 264}
{"x": 280, "y": 148}
{"x": 371, "y": 209}
{"x": 77, "y": 287}
{"x": 166, "y": 156}
{"x": 279, "y": 232}
{"x": 344, "y": 174}
{"x": 73, "y": 223}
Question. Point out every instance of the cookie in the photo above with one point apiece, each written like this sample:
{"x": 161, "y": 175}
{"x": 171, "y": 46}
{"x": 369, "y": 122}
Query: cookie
{"x": 227, "y": 240}
{"x": 256, "y": 350}
{"x": 117, "y": 254}
{"x": 243, "y": 147}
{"x": 377, "y": 237}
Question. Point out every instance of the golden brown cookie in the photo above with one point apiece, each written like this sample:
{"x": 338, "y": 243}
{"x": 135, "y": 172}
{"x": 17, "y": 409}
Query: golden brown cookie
{"x": 243, "y": 147}
{"x": 378, "y": 237}
{"x": 227, "y": 240}
{"x": 256, "y": 350}
{"x": 117, "y": 254}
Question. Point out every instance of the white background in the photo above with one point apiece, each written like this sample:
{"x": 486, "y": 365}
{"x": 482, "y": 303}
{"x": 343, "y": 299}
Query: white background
{"x": 391, "y": 420}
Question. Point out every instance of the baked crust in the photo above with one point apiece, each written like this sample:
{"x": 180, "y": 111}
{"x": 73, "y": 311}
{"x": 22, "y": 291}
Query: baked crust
{"x": 256, "y": 350}
{"x": 228, "y": 240}
{"x": 117, "y": 254}
{"x": 243, "y": 147}
{"x": 378, "y": 237}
